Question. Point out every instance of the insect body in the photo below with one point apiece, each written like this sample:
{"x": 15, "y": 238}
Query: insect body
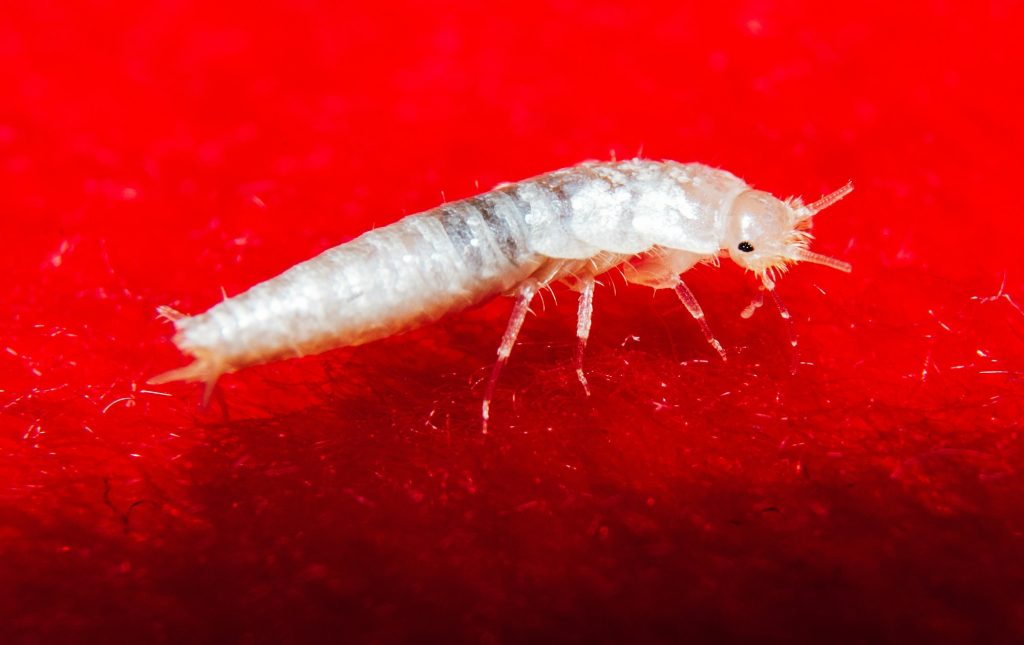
{"x": 654, "y": 220}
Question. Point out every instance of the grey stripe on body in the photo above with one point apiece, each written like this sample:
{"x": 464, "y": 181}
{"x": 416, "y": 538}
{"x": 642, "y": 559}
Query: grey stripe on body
{"x": 506, "y": 222}
{"x": 454, "y": 219}
{"x": 487, "y": 231}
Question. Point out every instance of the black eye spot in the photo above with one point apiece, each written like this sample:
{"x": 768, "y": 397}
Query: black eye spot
{"x": 746, "y": 247}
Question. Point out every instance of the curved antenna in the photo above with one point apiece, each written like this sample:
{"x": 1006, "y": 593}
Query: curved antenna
{"x": 824, "y": 202}
{"x": 804, "y": 255}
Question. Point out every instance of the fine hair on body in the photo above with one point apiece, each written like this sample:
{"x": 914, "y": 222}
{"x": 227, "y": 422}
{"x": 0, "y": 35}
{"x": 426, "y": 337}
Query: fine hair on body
{"x": 653, "y": 220}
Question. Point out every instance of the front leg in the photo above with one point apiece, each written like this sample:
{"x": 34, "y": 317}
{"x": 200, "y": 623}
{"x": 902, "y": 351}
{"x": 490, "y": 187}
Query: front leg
{"x": 660, "y": 270}
{"x": 690, "y": 302}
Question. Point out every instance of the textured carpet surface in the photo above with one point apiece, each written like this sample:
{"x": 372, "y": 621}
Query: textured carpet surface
{"x": 172, "y": 152}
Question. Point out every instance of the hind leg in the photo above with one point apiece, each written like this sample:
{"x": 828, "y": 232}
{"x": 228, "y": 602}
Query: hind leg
{"x": 524, "y": 296}
{"x": 586, "y": 309}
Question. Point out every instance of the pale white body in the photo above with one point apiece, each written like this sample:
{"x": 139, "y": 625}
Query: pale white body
{"x": 655, "y": 220}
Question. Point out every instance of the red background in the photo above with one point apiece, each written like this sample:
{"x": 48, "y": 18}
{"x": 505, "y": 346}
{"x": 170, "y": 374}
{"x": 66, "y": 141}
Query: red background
{"x": 161, "y": 152}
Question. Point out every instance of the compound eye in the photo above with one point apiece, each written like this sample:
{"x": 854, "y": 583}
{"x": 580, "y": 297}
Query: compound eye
{"x": 746, "y": 247}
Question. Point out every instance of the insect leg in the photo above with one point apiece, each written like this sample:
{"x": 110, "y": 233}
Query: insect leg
{"x": 583, "y": 328}
{"x": 784, "y": 313}
{"x": 515, "y": 323}
{"x": 690, "y": 302}
{"x": 754, "y": 305}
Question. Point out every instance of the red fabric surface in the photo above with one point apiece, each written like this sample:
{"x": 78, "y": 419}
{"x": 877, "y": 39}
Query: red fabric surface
{"x": 166, "y": 152}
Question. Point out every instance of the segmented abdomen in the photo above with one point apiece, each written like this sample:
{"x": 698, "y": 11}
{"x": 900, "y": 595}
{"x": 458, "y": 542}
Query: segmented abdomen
{"x": 384, "y": 282}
